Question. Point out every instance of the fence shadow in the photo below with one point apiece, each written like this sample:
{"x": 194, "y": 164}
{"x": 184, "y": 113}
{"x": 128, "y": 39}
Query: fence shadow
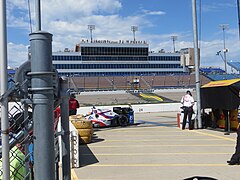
{"x": 86, "y": 156}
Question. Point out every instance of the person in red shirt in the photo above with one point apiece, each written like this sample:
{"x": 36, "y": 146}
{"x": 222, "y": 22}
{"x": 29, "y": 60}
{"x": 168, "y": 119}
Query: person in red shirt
{"x": 73, "y": 105}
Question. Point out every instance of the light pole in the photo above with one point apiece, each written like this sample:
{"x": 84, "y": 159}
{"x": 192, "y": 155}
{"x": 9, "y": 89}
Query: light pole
{"x": 219, "y": 53}
{"x": 225, "y": 50}
{"x": 238, "y": 8}
{"x": 174, "y": 38}
{"x": 134, "y": 29}
{"x": 91, "y": 28}
{"x": 197, "y": 60}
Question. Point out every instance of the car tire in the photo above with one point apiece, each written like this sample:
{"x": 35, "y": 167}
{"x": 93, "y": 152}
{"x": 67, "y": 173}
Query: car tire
{"x": 122, "y": 120}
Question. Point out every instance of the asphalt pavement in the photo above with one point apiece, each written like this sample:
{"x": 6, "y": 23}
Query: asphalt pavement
{"x": 156, "y": 149}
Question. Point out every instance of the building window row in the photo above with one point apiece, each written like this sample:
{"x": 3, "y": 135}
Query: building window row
{"x": 66, "y": 58}
{"x": 113, "y": 58}
{"x": 87, "y": 74}
{"x": 115, "y": 66}
{"x": 164, "y": 58}
{"x": 120, "y": 51}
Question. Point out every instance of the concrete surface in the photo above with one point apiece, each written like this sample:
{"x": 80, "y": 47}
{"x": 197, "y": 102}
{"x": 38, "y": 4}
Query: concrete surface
{"x": 103, "y": 98}
{"x": 157, "y": 149}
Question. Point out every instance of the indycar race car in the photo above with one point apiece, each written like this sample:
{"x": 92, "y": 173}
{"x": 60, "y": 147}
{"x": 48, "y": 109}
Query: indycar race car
{"x": 107, "y": 117}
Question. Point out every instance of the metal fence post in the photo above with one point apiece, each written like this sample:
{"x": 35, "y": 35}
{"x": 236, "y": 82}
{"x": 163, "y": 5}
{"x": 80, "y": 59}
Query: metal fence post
{"x": 66, "y": 168}
{"x": 3, "y": 80}
{"x": 42, "y": 95}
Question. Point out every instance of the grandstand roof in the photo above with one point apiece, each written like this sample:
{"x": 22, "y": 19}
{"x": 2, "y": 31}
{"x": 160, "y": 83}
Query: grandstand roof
{"x": 235, "y": 65}
{"x": 216, "y": 77}
{"x": 208, "y": 70}
{"x": 221, "y": 83}
{"x": 11, "y": 71}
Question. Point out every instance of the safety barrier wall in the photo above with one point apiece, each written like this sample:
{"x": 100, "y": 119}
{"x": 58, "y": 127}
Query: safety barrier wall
{"x": 140, "y": 108}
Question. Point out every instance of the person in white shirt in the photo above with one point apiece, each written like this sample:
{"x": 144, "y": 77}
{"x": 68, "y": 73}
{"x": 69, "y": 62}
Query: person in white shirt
{"x": 188, "y": 103}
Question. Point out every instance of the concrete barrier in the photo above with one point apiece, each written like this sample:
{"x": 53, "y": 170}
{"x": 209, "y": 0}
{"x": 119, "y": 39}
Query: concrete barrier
{"x": 139, "y": 108}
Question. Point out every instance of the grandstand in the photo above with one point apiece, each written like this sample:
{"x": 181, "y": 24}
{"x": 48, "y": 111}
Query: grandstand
{"x": 103, "y": 65}
{"x": 101, "y": 83}
{"x": 212, "y": 70}
{"x": 235, "y": 65}
{"x": 215, "y": 73}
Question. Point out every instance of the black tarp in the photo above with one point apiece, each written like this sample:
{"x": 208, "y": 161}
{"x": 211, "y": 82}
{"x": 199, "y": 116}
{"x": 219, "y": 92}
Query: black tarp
{"x": 222, "y": 94}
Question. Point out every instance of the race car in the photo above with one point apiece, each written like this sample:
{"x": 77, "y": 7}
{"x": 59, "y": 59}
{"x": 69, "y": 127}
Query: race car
{"x": 107, "y": 117}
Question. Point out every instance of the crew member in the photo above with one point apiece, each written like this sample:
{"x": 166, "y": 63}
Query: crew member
{"x": 73, "y": 105}
{"x": 187, "y": 102}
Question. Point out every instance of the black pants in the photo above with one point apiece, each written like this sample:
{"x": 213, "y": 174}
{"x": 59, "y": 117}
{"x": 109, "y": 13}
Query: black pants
{"x": 236, "y": 156}
{"x": 188, "y": 111}
{"x": 72, "y": 112}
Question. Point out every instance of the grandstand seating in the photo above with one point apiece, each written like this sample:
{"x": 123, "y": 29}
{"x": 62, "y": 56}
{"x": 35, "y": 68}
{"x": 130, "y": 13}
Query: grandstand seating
{"x": 91, "y": 83}
{"x": 211, "y": 70}
{"x": 105, "y": 83}
{"x": 203, "y": 80}
{"x": 215, "y": 74}
{"x": 216, "y": 77}
{"x": 127, "y": 82}
{"x": 235, "y": 65}
{"x": 122, "y": 82}
{"x": 147, "y": 82}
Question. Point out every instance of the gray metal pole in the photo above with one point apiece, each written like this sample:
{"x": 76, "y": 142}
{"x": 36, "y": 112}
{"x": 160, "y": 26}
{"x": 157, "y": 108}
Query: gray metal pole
{"x": 91, "y": 34}
{"x": 4, "y": 104}
{"x": 38, "y": 14}
{"x": 42, "y": 95}
{"x": 238, "y": 9}
{"x": 224, "y": 51}
{"x": 197, "y": 62}
{"x": 66, "y": 168}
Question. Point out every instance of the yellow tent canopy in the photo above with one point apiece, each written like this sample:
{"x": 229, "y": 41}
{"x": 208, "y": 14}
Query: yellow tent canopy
{"x": 221, "y": 83}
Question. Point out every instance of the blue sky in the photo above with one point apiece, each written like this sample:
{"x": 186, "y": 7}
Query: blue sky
{"x": 157, "y": 21}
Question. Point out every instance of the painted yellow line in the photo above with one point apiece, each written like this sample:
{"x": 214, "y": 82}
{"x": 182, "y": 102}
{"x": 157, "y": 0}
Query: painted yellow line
{"x": 165, "y": 145}
{"x": 151, "y": 97}
{"x": 73, "y": 175}
{"x": 155, "y": 165}
{"x": 212, "y": 135}
{"x": 152, "y": 131}
{"x": 168, "y": 135}
{"x": 157, "y": 140}
{"x": 155, "y": 154}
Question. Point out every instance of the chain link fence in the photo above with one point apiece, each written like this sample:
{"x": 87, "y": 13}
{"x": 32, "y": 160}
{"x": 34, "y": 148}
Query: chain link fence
{"x": 21, "y": 160}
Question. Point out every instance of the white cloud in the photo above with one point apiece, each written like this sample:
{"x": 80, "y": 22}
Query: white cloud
{"x": 111, "y": 27}
{"x": 147, "y": 12}
{"x": 17, "y": 54}
{"x": 17, "y": 13}
{"x": 68, "y": 20}
{"x": 71, "y": 10}
{"x": 216, "y": 7}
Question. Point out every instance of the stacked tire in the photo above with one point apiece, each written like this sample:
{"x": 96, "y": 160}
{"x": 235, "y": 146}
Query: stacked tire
{"x": 84, "y": 128}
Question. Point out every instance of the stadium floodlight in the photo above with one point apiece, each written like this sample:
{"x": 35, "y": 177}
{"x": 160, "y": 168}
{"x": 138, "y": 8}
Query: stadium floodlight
{"x": 219, "y": 53}
{"x": 91, "y": 28}
{"x": 224, "y": 27}
{"x": 134, "y": 29}
{"x": 174, "y": 38}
